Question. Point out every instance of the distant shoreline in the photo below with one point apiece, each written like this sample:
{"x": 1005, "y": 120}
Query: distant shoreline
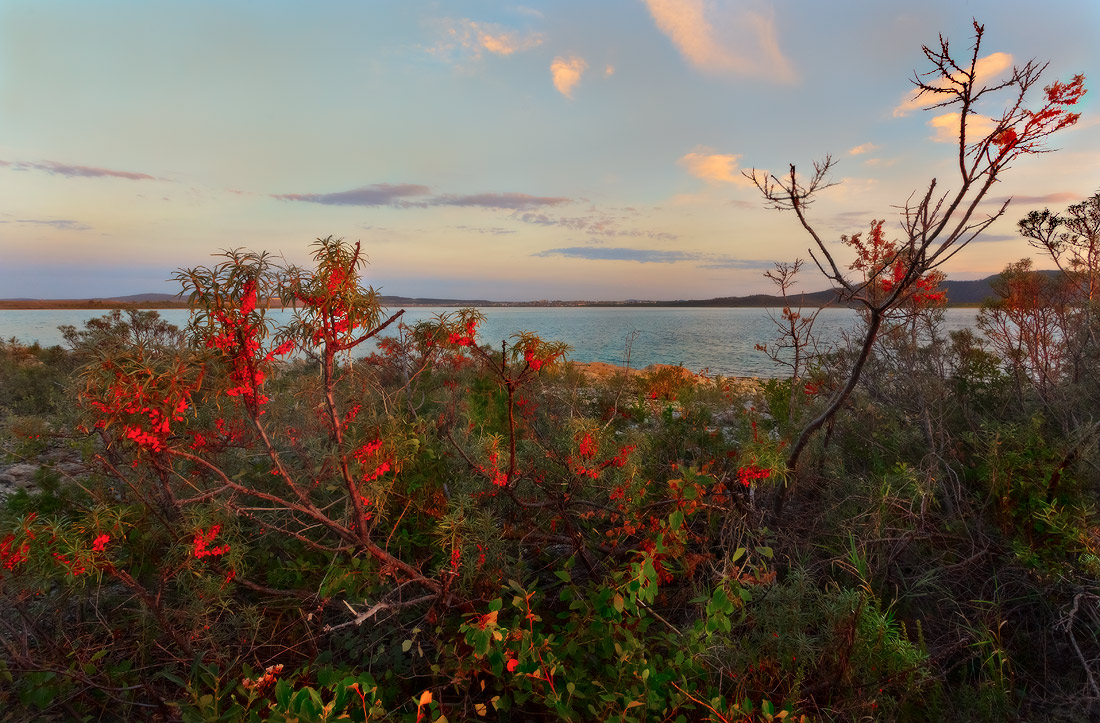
{"x": 108, "y": 304}
{"x": 960, "y": 295}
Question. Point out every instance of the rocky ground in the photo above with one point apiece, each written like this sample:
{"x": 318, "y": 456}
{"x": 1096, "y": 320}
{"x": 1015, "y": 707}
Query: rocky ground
{"x": 26, "y": 474}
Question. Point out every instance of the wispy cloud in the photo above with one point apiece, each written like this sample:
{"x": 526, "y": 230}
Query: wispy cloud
{"x": 487, "y": 230}
{"x": 379, "y": 194}
{"x": 471, "y": 40}
{"x": 1061, "y": 197}
{"x": 996, "y": 237}
{"x": 412, "y": 195}
{"x": 509, "y": 201}
{"x": 567, "y": 73}
{"x": 64, "y": 169}
{"x": 987, "y": 70}
{"x": 606, "y": 253}
{"x": 61, "y": 224}
{"x": 596, "y": 225}
{"x": 945, "y": 127}
{"x": 655, "y": 256}
{"x": 861, "y": 149}
{"x": 744, "y": 44}
{"x": 714, "y": 167}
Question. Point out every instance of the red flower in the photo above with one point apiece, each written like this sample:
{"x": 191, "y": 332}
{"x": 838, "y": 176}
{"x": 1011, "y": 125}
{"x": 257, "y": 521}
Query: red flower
{"x": 588, "y": 447}
{"x": 202, "y": 539}
{"x": 100, "y": 543}
{"x": 745, "y": 475}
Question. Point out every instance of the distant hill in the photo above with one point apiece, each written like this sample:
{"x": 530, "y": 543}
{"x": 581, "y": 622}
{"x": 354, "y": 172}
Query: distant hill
{"x": 144, "y": 298}
{"x": 959, "y": 293}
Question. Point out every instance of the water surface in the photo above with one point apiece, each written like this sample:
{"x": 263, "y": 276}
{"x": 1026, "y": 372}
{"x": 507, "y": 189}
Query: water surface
{"x": 719, "y": 340}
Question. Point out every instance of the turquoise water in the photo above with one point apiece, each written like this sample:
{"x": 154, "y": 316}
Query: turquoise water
{"x": 721, "y": 341}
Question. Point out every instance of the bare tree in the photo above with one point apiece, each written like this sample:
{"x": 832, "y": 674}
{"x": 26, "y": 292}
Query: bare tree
{"x": 935, "y": 225}
{"x": 796, "y": 346}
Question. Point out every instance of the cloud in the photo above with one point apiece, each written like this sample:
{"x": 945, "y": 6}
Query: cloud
{"x": 512, "y": 201}
{"x": 412, "y": 195}
{"x": 747, "y": 47}
{"x": 714, "y": 167}
{"x": 595, "y": 225}
{"x": 62, "y": 169}
{"x": 603, "y": 253}
{"x": 609, "y": 71}
{"x": 945, "y": 127}
{"x": 472, "y": 39}
{"x": 490, "y": 230}
{"x": 862, "y": 148}
{"x": 996, "y": 237}
{"x": 1061, "y": 197}
{"x": 655, "y": 256}
{"x": 567, "y": 73}
{"x": 379, "y": 194}
{"x": 986, "y": 71}
{"x": 61, "y": 224}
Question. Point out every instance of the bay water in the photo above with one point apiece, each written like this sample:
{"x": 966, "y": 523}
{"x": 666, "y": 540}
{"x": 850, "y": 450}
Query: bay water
{"x": 715, "y": 340}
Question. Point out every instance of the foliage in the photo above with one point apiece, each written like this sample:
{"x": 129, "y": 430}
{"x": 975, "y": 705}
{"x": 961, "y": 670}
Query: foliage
{"x": 347, "y": 517}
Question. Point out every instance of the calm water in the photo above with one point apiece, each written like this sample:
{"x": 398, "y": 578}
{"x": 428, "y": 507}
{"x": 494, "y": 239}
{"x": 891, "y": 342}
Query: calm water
{"x": 719, "y": 340}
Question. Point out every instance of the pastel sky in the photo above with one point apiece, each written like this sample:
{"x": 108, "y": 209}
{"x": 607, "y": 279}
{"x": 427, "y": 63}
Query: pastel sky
{"x": 574, "y": 149}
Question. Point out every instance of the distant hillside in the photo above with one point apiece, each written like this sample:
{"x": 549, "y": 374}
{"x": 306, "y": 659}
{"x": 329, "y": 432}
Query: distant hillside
{"x": 959, "y": 293}
{"x": 144, "y": 298}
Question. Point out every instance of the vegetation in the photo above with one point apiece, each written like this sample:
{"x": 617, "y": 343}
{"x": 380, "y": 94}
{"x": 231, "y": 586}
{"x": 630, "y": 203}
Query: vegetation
{"x": 450, "y": 528}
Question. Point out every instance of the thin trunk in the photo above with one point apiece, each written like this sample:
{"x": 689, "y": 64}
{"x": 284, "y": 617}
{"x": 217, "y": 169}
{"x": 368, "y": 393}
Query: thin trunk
{"x": 799, "y": 447}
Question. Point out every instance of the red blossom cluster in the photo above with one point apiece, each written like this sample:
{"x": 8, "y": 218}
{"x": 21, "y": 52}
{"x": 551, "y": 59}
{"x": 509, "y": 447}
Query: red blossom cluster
{"x": 1052, "y": 117}
{"x": 588, "y": 448}
{"x": 76, "y": 567}
{"x": 880, "y": 259}
{"x": 202, "y": 539}
{"x": 500, "y": 479}
{"x": 99, "y": 544}
{"x": 332, "y": 308}
{"x": 467, "y": 339}
{"x": 239, "y": 341}
{"x": 142, "y": 403}
{"x": 12, "y": 554}
{"x": 368, "y": 455}
{"x": 536, "y": 362}
{"x": 620, "y": 459}
{"x": 745, "y": 475}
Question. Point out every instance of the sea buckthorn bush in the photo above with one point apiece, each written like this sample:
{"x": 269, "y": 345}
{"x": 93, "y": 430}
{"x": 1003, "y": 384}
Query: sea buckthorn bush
{"x": 347, "y": 516}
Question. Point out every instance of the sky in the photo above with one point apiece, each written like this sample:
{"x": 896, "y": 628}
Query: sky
{"x": 571, "y": 149}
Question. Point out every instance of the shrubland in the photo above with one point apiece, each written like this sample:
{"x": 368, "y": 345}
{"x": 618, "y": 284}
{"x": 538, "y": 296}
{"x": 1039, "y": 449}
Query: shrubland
{"x": 347, "y": 517}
